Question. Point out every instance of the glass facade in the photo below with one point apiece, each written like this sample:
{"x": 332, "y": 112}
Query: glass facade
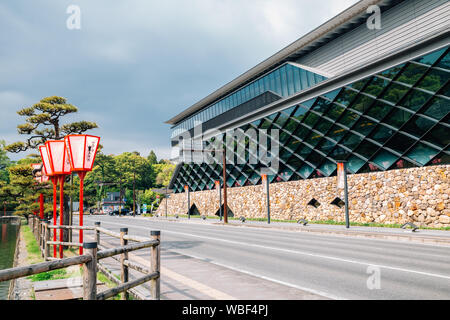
{"x": 284, "y": 81}
{"x": 398, "y": 118}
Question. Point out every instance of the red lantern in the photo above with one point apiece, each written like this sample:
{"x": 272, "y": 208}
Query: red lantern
{"x": 59, "y": 159}
{"x": 60, "y": 164}
{"x": 82, "y": 149}
{"x": 54, "y": 178}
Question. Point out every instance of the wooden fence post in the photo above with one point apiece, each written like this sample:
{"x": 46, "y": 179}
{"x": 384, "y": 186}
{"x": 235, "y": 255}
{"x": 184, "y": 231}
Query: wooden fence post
{"x": 97, "y": 233}
{"x": 123, "y": 257}
{"x": 46, "y": 238}
{"x": 90, "y": 272}
{"x": 155, "y": 263}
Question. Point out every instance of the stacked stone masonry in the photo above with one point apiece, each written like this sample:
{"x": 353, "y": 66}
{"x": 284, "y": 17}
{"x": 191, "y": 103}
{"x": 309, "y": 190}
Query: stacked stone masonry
{"x": 418, "y": 195}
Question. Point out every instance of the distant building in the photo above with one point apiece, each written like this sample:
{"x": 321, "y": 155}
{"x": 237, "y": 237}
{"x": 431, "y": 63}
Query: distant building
{"x": 112, "y": 202}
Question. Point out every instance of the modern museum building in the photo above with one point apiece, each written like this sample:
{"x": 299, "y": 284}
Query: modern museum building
{"x": 370, "y": 86}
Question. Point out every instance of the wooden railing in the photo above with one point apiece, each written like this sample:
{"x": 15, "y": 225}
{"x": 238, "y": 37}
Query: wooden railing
{"x": 90, "y": 260}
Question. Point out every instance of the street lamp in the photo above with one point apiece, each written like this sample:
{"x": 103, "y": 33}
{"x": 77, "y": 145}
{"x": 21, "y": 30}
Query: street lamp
{"x": 41, "y": 178}
{"x": 82, "y": 149}
{"x": 59, "y": 162}
{"x": 54, "y": 179}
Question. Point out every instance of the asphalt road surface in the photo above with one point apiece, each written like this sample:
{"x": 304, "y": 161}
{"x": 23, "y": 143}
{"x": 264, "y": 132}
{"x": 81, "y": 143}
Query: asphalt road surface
{"x": 330, "y": 266}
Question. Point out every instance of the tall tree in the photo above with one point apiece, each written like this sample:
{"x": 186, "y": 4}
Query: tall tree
{"x": 152, "y": 157}
{"x": 44, "y": 121}
{"x": 4, "y": 163}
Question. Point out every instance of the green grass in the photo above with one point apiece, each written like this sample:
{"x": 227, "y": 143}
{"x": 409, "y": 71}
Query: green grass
{"x": 330, "y": 222}
{"x": 33, "y": 250}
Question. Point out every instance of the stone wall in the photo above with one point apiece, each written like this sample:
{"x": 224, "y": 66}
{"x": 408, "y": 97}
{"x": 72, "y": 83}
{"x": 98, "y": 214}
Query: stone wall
{"x": 419, "y": 195}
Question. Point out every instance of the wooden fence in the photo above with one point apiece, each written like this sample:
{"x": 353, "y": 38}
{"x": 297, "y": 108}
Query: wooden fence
{"x": 91, "y": 260}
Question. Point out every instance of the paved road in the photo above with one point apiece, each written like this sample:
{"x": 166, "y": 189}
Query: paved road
{"x": 326, "y": 265}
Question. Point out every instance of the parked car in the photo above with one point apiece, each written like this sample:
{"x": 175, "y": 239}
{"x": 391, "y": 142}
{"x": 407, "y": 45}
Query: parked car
{"x": 123, "y": 213}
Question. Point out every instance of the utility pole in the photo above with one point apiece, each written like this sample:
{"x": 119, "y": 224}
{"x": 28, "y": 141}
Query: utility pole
{"x": 134, "y": 193}
{"x": 225, "y": 203}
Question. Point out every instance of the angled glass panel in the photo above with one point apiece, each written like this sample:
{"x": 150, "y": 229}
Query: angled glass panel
{"x": 379, "y": 110}
{"x": 293, "y": 144}
{"x": 364, "y": 126}
{"x": 412, "y": 74}
{"x": 384, "y": 159}
{"x": 351, "y": 141}
{"x": 362, "y": 103}
{"x": 431, "y": 58}
{"x": 394, "y": 93}
{"x": 288, "y": 111}
{"x": 301, "y": 132}
{"x": 332, "y": 94}
{"x": 355, "y": 163}
{"x": 381, "y": 134}
{"x": 422, "y": 153}
{"x": 315, "y": 158}
{"x": 359, "y": 85}
{"x": 438, "y": 108}
{"x": 326, "y": 146}
{"x": 313, "y": 139}
{"x": 446, "y": 90}
{"x": 303, "y": 151}
{"x": 415, "y": 99}
{"x": 281, "y": 120}
{"x": 376, "y": 86}
{"x": 295, "y": 163}
{"x": 398, "y": 118}
{"x": 311, "y": 119}
{"x": 337, "y": 133}
{"x": 392, "y": 72}
{"x": 439, "y": 136}
{"x": 445, "y": 62}
{"x": 400, "y": 142}
{"x": 346, "y": 96}
{"x": 321, "y": 105}
{"x": 334, "y": 111}
{"x": 305, "y": 171}
{"x": 284, "y": 136}
{"x": 285, "y": 154}
{"x": 366, "y": 149}
{"x": 339, "y": 153}
{"x": 418, "y": 126}
{"x": 348, "y": 118}
{"x": 328, "y": 168}
{"x": 300, "y": 113}
{"x": 434, "y": 80}
{"x": 323, "y": 125}
{"x": 291, "y": 125}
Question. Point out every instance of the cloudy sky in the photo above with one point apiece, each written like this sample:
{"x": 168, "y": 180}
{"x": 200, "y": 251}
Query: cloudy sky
{"x": 134, "y": 64}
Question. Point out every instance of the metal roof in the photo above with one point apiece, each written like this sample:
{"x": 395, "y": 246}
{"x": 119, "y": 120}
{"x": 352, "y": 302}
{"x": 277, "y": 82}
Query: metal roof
{"x": 335, "y": 27}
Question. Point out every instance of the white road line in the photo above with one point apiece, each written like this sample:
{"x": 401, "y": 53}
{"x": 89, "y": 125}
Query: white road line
{"x": 313, "y": 291}
{"x": 301, "y": 253}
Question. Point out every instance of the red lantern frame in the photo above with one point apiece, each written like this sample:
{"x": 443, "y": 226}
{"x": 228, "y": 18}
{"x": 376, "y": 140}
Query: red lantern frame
{"x": 77, "y": 144}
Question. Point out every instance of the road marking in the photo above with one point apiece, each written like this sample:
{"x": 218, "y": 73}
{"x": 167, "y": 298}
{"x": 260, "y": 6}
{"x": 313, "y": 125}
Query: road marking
{"x": 211, "y": 292}
{"x": 300, "y": 253}
{"x": 313, "y": 291}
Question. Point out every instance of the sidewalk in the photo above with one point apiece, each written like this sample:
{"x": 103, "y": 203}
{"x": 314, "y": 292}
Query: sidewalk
{"x": 426, "y": 236}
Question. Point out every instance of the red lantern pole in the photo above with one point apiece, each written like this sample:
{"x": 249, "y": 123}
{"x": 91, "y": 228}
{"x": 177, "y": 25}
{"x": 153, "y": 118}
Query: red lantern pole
{"x": 55, "y": 183}
{"x": 61, "y": 212}
{"x": 81, "y": 174}
{"x": 41, "y": 206}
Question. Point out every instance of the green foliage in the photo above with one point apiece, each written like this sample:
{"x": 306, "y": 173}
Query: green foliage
{"x": 5, "y": 162}
{"x": 43, "y": 122}
{"x": 152, "y": 157}
{"x": 164, "y": 173}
